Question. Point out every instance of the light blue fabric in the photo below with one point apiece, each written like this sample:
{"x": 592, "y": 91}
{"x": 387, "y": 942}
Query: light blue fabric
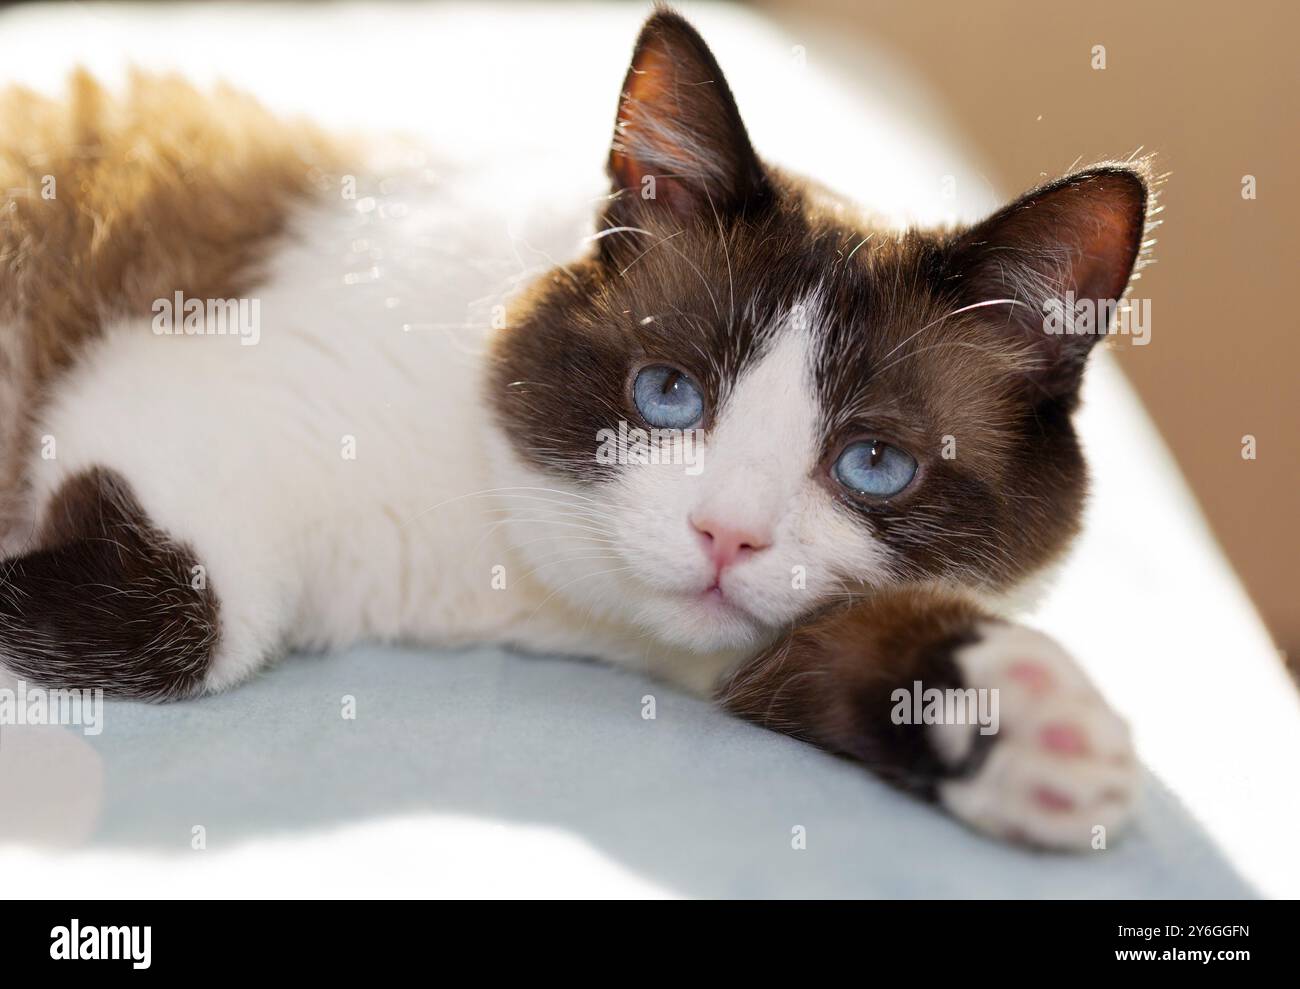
{"x": 698, "y": 802}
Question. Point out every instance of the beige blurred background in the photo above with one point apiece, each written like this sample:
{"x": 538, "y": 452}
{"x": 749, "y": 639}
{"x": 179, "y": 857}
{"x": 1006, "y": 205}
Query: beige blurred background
{"x": 1213, "y": 89}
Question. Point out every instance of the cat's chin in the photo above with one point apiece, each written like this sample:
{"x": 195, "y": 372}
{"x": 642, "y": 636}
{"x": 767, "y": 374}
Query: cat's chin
{"x": 701, "y": 623}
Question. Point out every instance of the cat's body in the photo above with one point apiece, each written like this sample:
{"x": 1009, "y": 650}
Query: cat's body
{"x": 341, "y": 478}
{"x": 409, "y": 448}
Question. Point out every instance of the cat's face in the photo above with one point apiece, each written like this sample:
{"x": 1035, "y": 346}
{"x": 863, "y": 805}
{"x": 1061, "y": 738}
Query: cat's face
{"x": 839, "y": 407}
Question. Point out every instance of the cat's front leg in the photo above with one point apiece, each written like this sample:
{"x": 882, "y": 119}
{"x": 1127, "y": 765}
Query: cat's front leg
{"x": 1014, "y": 740}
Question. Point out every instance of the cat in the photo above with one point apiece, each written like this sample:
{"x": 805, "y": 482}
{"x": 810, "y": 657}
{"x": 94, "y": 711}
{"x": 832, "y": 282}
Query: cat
{"x": 747, "y": 442}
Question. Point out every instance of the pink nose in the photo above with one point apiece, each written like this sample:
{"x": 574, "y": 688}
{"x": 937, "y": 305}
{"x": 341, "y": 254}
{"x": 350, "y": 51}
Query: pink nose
{"x": 725, "y": 544}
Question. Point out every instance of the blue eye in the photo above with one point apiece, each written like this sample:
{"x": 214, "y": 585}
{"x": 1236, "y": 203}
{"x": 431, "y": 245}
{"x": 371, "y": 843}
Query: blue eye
{"x": 667, "y": 398}
{"x": 874, "y": 468}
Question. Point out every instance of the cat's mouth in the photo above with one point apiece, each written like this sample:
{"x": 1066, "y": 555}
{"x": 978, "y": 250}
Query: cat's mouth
{"x": 717, "y": 601}
{"x": 705, "y": 616}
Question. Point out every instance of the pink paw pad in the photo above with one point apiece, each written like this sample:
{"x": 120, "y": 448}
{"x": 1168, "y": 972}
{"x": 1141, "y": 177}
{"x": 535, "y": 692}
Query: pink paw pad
{"x": 1051, "y": 800}
{"x": 1034, "y": 677}
{"x": 1064, "y": 739}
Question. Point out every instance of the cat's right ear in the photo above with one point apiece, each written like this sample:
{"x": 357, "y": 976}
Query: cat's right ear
{"x": 680, "y": 150}
{"x": 1078, "y": 238}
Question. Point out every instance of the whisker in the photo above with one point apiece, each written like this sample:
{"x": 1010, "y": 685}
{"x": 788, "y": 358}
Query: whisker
{"x": 599, "y": 573}
{"x": 490, "y": 491}
{"x": 663, "y": 240}
{"x": 955, "y": 312}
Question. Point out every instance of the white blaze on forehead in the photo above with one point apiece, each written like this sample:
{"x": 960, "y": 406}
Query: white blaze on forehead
{"x": 760, "y": 460}
{"x": 764, "y": 444}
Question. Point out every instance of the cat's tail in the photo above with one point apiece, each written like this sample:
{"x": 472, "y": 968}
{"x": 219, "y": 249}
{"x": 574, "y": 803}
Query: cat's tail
{"x": 107, "y": 600}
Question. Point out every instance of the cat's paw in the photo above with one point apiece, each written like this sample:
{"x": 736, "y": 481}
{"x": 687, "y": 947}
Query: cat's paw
{"x": 1061, "y": 763}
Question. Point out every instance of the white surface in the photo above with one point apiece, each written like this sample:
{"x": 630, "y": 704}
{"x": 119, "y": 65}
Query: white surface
{"x": 429, "y": 856}
{"x": 488, "y": 772}
{"x": 1147, "y": 602}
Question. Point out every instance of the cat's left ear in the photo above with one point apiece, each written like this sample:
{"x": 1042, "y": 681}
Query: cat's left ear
{"x": 680, "y": 149}
{"x": 1067, "y": 248}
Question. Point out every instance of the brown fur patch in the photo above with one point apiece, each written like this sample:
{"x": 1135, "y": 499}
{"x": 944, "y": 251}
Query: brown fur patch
{"x": 163, "y": 189}
{"x": 107, "y": 600}
{"x": 831, "y": 679}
